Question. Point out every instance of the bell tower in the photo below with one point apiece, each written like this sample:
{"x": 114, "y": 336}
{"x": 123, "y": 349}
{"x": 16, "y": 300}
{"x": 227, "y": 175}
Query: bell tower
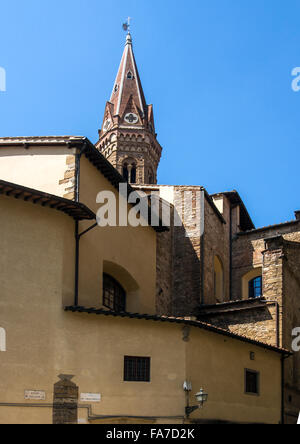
{"x": 127, "y": 137}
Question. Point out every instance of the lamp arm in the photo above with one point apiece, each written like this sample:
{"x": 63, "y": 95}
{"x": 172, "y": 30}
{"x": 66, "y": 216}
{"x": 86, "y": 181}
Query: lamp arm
{"x": 190, "y": 409}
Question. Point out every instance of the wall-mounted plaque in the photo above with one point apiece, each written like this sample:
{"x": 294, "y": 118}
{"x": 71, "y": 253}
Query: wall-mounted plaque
{"x": 90, "y": 397}
{"x": 36, "y": 395}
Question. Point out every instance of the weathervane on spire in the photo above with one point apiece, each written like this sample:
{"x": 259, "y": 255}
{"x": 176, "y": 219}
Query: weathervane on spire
{"x": 126, "y": 26}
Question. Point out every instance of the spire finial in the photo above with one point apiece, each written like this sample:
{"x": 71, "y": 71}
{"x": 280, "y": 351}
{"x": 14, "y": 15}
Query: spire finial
{"x": 126, "y": 25}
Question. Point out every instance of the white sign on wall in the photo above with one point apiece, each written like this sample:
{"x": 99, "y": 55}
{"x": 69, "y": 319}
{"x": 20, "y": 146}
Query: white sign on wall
{"x": 36, "y": 395}
{"x": 2, "y": 340}
{"x": 90, "y": 397}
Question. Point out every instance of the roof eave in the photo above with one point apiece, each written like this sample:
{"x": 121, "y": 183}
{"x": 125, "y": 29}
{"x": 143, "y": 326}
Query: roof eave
{"x": 198, "y": 324}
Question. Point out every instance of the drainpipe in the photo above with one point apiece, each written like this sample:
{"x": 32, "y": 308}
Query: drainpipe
{"x": 283, "y": 358}
{"x": 230, "y": 253}
{"x": 77, "y": 237}
{"x": 77, "y": 234}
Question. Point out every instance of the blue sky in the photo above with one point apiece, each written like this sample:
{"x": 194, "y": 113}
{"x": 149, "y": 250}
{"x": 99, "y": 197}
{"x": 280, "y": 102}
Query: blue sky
{"x": 217, "y": 71}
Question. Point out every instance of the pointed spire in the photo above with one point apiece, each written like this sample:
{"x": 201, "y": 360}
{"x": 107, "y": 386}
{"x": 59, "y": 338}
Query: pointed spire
{"x": 127, "y": 137}
{"x": 128, "y": 84}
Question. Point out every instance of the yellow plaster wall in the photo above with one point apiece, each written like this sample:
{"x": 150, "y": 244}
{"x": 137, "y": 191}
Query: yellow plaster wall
{"x": 40, "y": 168}
{"x": 43, "y": 341}
{"x": 217, "y": 364}
{"x": 131, "y": 250}
{"x": 36, "y": 274}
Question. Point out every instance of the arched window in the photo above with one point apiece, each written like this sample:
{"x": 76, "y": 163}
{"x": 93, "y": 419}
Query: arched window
{"x": 255, "y": 287}
{"x": 252, "y": 283}
{"x": 125, "y": 172}
{"x": 133, "y": 174}
{"x": 114, "y": 295}
{"x": 130, "y": 170}
{"x": 129, "y": 75}
{"x": 219, "y": 279}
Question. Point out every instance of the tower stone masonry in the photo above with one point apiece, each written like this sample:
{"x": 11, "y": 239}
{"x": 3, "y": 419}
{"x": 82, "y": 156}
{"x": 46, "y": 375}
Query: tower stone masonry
{"x": 127, "y": 137}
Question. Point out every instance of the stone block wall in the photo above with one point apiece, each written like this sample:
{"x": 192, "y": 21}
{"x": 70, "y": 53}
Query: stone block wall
{"x": 248, "y": 249}
{"x": 185, "y": 256}
{"x": 277, "y": 249}
{"x": 65, "y": 401}
{"x": 256, "y": 321}
{"x": 186, "y": 276}
{"x": 164, "y": 272}
{"x": 69, "y": 178}
{"x": 178, "y": 256}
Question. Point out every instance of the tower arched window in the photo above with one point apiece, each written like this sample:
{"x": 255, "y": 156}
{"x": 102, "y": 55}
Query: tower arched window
{"x": 255, "y": 288}
{"x": 130, "y": 170}
{"x": 125, "y": 172}
{"x": 133, "y": 174}
{"x": 114, "y": 295}
{"x": 129, "y": 75}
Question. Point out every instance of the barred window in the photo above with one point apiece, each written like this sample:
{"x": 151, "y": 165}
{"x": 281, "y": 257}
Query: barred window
{"x": 114, "y": 295}
{"x": 251, "y": 382}
{"x": 255, "y": 288}
{"x": 136, "y": 369}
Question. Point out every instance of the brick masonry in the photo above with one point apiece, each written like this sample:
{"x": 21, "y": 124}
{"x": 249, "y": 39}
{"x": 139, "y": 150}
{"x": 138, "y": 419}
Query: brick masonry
{"x": 181, "y": 272}
{"x": 65, "y": 401}
{"x": 277, "y": 251}
{"x": 256, "y": 322}
{"x": 216, "y": 243}
{"x": 274, "y": 252}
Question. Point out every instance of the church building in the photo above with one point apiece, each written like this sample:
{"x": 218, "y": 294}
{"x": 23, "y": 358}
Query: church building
{"x": 186, "y": 321}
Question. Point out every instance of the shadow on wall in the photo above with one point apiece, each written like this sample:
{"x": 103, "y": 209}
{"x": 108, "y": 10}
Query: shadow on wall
{"x": 178, "y": 266}
{"x": 248, "y": 323}
{"x": 218, "y": 279}
{"x": 186, "y": 274}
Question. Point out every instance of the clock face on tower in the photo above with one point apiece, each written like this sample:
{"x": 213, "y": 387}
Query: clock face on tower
{"x": 131, "y": 118}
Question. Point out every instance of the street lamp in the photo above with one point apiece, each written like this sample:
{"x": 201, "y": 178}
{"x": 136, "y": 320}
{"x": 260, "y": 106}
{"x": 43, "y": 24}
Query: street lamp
{"x": 201, "y": 398}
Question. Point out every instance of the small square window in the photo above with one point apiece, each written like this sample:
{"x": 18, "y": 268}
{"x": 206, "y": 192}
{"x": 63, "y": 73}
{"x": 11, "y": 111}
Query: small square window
{"x": 251, "y": 382}
{"x": 136, "y": 369}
